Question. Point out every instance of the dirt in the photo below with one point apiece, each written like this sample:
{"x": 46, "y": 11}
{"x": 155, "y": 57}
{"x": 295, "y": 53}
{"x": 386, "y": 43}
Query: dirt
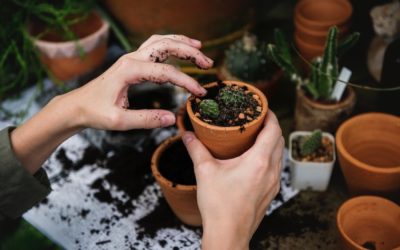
{"x": 323, "y": 154}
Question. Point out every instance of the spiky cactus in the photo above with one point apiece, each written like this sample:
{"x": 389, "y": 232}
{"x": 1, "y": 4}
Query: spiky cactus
{"x": 311, "y": 143}
{"x": 247, "y": 59}
{"x": 209, "y": 108}
{"x": 231, "y": 97}
{"x": 324, "y": 70}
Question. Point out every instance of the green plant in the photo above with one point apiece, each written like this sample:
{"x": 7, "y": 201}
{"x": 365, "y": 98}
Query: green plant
{"x": 231, "y": 97}
{"x": 247, "y": 59}
{"x": 324, "y": 70}
{"x": 209, "y": 108}
{"x": 311, "y": 143}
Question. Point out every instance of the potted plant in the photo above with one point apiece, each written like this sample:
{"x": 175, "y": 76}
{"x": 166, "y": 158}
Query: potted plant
{"x": 228, "y": 119}
{"x": 315, "y": 106}
{"x": 246, "y": 60}
{"x": 312, "y": 156}
{"x": 176, "y": 177}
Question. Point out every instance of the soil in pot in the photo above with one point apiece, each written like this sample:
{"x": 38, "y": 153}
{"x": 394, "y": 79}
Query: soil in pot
{"x": 324, "y": 153}
{"x": 227, "y": 105}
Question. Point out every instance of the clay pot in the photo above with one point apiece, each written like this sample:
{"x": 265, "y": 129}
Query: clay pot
{"x": 369, "y": 222}
{"x": 181, "y": 198}
{"x": 316, "y": 37}
{"x": 369, "y": 154}
{"x": 228, "y": 142}
{"x": 310, "y": 115}
{"x": 308, "y": 51}
{"x": 62, "y": 58}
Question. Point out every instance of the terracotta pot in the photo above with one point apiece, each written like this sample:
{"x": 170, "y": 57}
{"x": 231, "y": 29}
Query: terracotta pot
{"x": 308, "y": 51}
{"x": 267, "y": 86}
{"x": 62, "y": 57}
{"x": 316, "y": 37}
{"x": 228, "y": 142}
{"x": 181, "y": 198}
{"x": 321, "y": 15}
{"x": 369, "y": 222}
{"x": 369, "y": 154}
{"x": 310, "y": 115}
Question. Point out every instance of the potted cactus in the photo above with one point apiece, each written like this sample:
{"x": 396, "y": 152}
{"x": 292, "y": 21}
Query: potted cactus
{"x": 246, "y": 60}
{"x": 312, "y": 155}
{"x": 228, "y": 119}
{"x": 315, "y": 106}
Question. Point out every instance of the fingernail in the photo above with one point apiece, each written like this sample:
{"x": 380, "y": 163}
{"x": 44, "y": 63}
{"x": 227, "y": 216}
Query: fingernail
{"x": 202, "y": 91}
{"x": 187, "y": 137}
{"x": 195, "y": 42}
{"x": 167, "y": 120}
{"x": 209, "y": 60}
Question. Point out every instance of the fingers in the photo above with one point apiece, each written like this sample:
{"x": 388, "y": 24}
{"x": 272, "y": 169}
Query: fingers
{"x": 133, "y": 71}
{"x": 197, "y": 151}
{"x": 181, "y": 38}
{"x": 123, "y": 119}
{"x": 161, "y": 50}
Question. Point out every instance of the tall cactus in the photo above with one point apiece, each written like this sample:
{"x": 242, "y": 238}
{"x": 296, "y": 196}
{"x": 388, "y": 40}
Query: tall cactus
{"x": 311, "y": 143}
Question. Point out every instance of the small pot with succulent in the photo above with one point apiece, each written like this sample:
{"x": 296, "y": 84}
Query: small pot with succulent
{"x": 246, "y": 60}
{"x": 316, "y": 104}
{"x": 228, "y": 119}
{"x": 312, "y": 156}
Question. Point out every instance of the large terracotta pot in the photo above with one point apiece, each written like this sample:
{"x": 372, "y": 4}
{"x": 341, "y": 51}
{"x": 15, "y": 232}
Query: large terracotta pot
{"x": 181, "y": 198}
{"x": 228, "y": 142}
{"x": 369, "y": 222}
{"x": 368, "y": 147}
{"x": 308, "y": 51}
{"x": 310, "y": 115}
{"x": 62, "y": 58}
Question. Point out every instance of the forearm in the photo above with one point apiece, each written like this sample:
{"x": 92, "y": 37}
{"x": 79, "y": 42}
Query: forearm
{"x": 35, "y": 140}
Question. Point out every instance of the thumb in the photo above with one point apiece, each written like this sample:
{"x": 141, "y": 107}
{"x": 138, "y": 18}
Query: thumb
{"x": 147, "y": 118}
{"x": 197, "y": 151}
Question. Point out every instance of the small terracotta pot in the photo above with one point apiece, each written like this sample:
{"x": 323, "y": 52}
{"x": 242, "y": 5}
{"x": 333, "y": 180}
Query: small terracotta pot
{"x": 308, "y": 50}
{"x": 311, "y": 115}
{"x": 321, "y": 15}
{"x": 369, "y": 221}
{"x": 181, "y": 198}
{"x": 62, "y": 57}
{"x": 228, "y": 142}
{"x": 369, "y": 154}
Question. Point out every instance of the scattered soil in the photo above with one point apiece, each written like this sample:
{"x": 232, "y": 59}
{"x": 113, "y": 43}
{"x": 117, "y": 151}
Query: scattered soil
{"x": 175, "y": 165}
{"x": 323, "y": 154}
{"x": 229, "y": 115}
{"x": 369, "y": 245}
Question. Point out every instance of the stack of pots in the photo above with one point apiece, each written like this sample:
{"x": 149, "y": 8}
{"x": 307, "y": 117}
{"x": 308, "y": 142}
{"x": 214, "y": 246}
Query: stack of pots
{"x": 312, "y": 20}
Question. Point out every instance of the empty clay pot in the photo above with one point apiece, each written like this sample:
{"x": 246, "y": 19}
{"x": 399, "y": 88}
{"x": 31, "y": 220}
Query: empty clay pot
{"x": 181, "y": 198}
{"x": 228, "y": 142}
{"x": 369, "y": 222}
{"x": 63, "y": 58}
{"x": 315, "y": 37}
{"x": 308, "y": 50}
{"x": 368, "y": 148}
{"x": 310, "y": 115}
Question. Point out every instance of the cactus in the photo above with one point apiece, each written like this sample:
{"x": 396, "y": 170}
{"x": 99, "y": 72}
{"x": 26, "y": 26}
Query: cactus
{"x": 209, "y": 108}
{"x": 231, "y": 97}
{"x": 247, "y": 59}
{"x": 311, "y": 143}
{"x": 324, "y": 70}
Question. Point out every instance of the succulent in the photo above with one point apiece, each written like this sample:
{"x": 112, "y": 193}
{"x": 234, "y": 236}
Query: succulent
{"x": 209, "y": 108}
{"x": 247, "y": 59}
{"x": 324, "y": 71}
{"x": 231, "y": 97}
{"x": 311, "y": 143}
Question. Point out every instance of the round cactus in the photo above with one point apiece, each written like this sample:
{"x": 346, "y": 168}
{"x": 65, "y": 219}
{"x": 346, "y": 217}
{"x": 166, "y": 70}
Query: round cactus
{"x": 232, "y": 97}
{"x": 209, "y": 108}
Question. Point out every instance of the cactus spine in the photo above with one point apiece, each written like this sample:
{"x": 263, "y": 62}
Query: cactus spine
{"x": 311, "y": 143}
{"x": 209, "y": 108}
{"x": 231, "y": 97}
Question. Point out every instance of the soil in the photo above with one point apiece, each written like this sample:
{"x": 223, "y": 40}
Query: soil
{"x": 179, "y": 170}
{"x": 326, "y": 102}
{"x": 369, "y": 245}
{"x": 230, "y": 116}
{"x": 323, "y": 154}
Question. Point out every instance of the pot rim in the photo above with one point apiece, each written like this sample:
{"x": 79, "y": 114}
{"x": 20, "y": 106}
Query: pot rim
{"x": 299, "y": 132}
{"x": 252, "y": 88}
{"x": 360, "y": 164}
{"x": 154, "y": 165}
{"x": 331, "y": 106}
{"x": 346, "y": 7}
{"x": 358, "y": 199}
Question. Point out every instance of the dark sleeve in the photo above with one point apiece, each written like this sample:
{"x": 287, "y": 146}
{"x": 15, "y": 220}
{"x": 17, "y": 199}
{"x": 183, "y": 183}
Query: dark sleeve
{"x": 19, "y": 190}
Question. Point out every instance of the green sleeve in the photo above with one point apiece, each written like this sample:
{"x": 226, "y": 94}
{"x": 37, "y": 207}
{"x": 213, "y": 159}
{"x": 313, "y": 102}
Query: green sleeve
{"x": 19, "y": 190}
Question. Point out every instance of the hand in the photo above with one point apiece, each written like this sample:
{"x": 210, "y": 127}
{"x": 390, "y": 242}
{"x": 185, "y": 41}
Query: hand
{"x": 233, "y": 194}
{"x": 102, "y": 102}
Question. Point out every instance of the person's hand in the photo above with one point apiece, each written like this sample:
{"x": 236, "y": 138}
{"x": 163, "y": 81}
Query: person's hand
{"x": 233, "y": 194}
{"x": 103, "y": 101}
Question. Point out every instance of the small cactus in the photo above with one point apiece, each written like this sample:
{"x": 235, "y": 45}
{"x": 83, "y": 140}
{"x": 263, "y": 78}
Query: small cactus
{"x": 247, "y": 59}
{"x": 209, "y": 108}
{"x": 310, "y": 144}
{"x": 232, "y": 97}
